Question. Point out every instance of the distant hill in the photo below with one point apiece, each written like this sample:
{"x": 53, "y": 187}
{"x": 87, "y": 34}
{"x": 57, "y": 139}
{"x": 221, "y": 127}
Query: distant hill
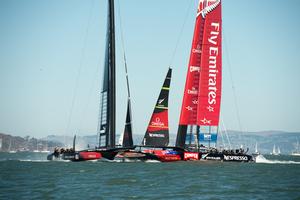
{"x": 286, "y": 141}
{"x": 16, "y": 143}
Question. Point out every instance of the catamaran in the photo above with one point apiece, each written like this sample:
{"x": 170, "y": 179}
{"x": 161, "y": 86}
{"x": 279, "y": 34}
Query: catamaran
{"x": 200, "y": 111}
{"x": 107, "y": 116}
{"x": 156, "y": 139}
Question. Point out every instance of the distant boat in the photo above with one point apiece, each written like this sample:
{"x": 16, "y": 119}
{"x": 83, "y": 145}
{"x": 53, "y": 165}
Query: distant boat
{"x": 297, "y": 151}
{"x": 45, "y": 150}
{"x": 256, "y": 153}
{"x": 37, "y": 148}
{"x": 274, "y": 152}
{"x": 9, "y": 148}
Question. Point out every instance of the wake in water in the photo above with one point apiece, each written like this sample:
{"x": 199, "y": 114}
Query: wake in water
{"x": 262, "y": 159}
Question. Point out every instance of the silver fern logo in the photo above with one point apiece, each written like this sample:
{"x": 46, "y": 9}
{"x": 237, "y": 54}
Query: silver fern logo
{"x": 206, "y": 6}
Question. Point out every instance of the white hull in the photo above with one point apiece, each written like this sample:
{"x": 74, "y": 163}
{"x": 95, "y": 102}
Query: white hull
{"x": 295, "y": 154}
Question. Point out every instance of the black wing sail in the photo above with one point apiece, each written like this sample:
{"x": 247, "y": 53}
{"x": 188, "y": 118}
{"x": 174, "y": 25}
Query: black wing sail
{"x": 127, "y": 136}
{"x": 106, "y": 126}
{"x": 157, "y": 133}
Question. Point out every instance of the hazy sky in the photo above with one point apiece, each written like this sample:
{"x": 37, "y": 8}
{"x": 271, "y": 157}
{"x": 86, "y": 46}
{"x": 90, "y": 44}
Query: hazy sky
{"x": 52, "y": 55}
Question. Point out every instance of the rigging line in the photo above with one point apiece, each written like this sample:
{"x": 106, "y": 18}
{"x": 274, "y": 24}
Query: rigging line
{"x": 221, "y": 133}
{"x": 225, "y": 130}
{"x": 80, "y": 67}
{"x": 123, "y": 47}
{"x": 83, "y": 113}
{"x": 125, "y": 61}
{"x": 180, "y": 33}
{"x": 233, "y": 87}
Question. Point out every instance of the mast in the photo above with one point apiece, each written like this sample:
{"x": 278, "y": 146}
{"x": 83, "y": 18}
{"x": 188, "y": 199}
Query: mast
{"x": 112, "y": 76}
{"x": 157, "y": 133}
{"x": 202, "y": 94}
{"x": 107, "y": 122}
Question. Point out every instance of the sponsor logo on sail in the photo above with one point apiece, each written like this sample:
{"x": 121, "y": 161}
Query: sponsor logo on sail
{"x": 197, "y": 50}
{"x": 157, "y": 122}
{"x": 156, "y": 135}
{"x": 213, "y": 72}
{"x": 194, "y": 68}
{"x": 192, "y": 91}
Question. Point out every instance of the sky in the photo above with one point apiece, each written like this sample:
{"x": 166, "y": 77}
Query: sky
{"x": 52, "y": 57}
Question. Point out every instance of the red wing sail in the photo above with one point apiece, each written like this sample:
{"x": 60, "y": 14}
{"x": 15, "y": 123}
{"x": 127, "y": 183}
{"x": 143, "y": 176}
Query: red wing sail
{"x": 202, "y": 93}
{"x": 190, "y": 98}
{"x": 157, "y": 133}
{"x": 209, "y": 98}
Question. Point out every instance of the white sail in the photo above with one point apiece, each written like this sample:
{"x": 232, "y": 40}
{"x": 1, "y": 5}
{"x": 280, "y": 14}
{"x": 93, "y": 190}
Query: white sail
{"x": 297, "y": 151}
{"x": 120, "y": 142}
{"x": 9, "y": 148}
{"x": 256, "y": 150}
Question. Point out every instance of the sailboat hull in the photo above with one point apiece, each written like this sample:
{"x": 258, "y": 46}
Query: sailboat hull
{"x": 165, "y": 155}
{"x": 135, "y": 156}
{"x": 75, "y": 156}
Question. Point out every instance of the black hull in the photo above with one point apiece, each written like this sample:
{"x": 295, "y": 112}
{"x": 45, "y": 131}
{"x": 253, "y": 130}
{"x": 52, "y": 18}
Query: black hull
{"x": 111, "y": 153}
{"x": 135, "y": 156}
{"x": 227, "y": 157}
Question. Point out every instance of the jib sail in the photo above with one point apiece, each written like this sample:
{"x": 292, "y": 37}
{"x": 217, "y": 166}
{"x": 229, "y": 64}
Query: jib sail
{"x": 157, "y": 133}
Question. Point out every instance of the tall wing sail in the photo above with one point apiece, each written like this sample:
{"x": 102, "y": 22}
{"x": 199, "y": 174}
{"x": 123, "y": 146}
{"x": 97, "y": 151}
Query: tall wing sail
{"x": 157, "y": 133}
{"x": 209, "y": 98}
{"x": 192, "y": 108}
{"x": 106, "y": 125}
{"x": 188, "y": 115}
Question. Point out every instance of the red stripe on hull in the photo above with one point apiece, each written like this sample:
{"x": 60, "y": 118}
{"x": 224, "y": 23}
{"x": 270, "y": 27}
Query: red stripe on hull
{"x": 90, "y": 155}
{"x": 164, "y": 155}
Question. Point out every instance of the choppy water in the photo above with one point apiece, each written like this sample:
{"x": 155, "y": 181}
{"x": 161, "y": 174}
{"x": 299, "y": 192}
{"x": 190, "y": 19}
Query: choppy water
{"x": 30, "y": 176}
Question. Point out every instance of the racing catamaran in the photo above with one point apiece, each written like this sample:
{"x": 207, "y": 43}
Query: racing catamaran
{"x": 200, "y": 111}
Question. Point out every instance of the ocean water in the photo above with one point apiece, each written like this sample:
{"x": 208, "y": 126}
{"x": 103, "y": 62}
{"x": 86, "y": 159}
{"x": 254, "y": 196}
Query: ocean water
{"x": 30, "y": 176}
